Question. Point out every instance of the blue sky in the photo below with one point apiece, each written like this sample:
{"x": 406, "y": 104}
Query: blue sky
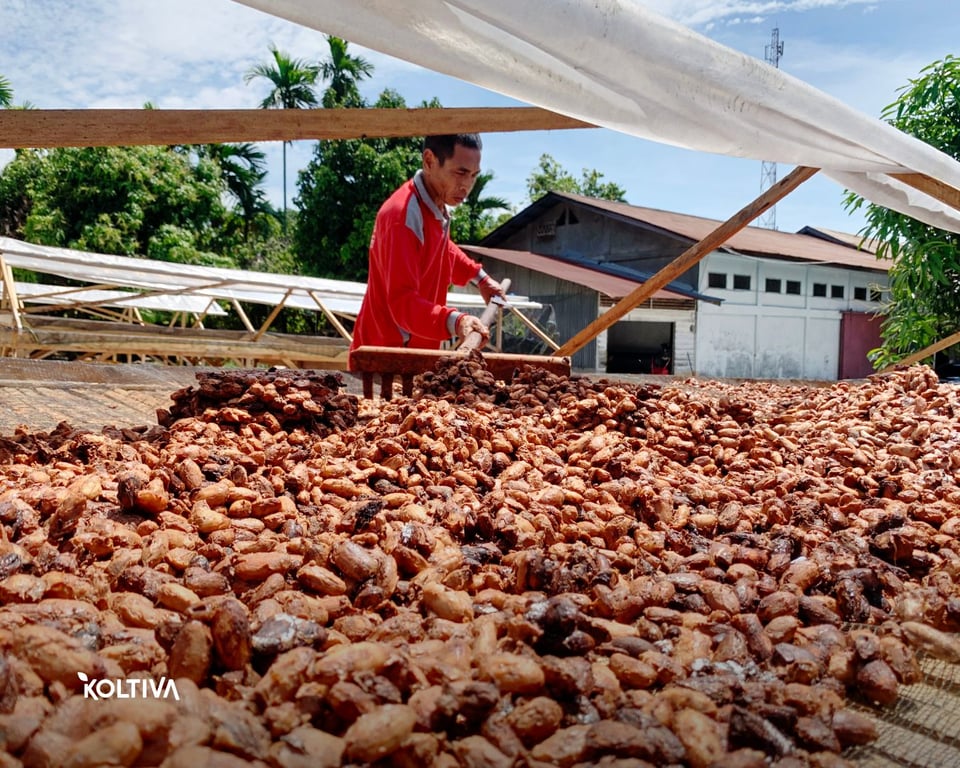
{"x": 193, "y": 54}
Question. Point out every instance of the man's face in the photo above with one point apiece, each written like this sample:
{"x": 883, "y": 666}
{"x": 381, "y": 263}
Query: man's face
{"x": 451, "y": 182}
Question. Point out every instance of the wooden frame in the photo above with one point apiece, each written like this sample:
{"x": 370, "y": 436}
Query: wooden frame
{"x": 53, "y": 128}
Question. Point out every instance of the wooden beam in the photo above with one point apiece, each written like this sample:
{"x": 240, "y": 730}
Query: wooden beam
{"x": 687, "y": 259}
{"x": 933, "y": 187}
{"x": 272, "y": 316}
{"x": 10, "y": 291}
{"x": 334, "y": 320}
{"x": 533, "y": 327}
{"x": 36, "y": 128}
{"x": 926, "y": 352}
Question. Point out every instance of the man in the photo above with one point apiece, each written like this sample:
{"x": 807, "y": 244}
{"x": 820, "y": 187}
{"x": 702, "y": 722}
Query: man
{"x": 412, "y": 259}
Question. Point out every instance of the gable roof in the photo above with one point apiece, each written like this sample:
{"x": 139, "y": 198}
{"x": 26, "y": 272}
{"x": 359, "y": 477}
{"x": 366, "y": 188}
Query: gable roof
{"x": 753, "y": 241}
{"x": 612, "y": 280}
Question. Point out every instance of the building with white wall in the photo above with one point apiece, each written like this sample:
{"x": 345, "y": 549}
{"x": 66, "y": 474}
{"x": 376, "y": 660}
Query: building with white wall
{"x": 766, "y": 304}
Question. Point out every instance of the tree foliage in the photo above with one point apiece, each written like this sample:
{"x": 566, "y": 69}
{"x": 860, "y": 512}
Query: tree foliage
{"x": 15, "y": 181}
{"x": 242, "y": 168}
{"x": 343, "y": 72}
{"x": 924, "y": 275}
{"x": 474, "y": 217}
{"x": 550, "y": 176}
{"x": 125, "y": 200}
{"x": 6, "y": 92}
{"x": 340, "y": 192}
{"x": 292, "y": 82}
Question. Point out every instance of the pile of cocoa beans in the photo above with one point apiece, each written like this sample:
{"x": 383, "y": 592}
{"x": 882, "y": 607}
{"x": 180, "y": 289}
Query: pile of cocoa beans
{"x": 544, "y": 572}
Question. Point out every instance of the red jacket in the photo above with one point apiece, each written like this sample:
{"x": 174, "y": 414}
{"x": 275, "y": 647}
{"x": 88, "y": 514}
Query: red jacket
{"x": 412, "y": 264}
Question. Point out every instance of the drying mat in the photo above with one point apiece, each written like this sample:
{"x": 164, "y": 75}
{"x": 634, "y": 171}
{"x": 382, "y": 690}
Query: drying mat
{"x": 922, "y": 728}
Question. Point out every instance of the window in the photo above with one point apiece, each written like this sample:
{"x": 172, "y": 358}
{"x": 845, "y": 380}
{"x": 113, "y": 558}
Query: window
{"x": 741, "y": 282}
{"x": 819, "y": 289}
{"x": 772, "y": 285}
{"x": 876, "y": 296}
{"x": 836, "y": 291}
{"x": 717, "y": 279}
{"x": 793, "y": 287}
{"x": 859, "y": 293}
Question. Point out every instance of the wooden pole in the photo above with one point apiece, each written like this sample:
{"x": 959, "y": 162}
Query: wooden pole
{"x": 473, "y": 340}
{"x": 916, "y": 357}
{"x": 933, "y": 187}
{"x": 37, "y": 128}
{"x": 687, "y": 259}
{"x": 10, "y": 291}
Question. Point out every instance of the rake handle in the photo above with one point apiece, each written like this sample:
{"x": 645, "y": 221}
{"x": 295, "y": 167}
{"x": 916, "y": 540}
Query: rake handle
{"x": 473, "y": 340}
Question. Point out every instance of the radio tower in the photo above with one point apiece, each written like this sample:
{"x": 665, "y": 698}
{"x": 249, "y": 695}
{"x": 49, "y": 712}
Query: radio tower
{"x": 768, "y": 172}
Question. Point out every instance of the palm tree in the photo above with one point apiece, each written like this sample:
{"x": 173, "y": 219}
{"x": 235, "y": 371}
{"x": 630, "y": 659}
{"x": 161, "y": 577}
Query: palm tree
{"x": 6, "y": 92}
{"x": 241, "y": 167}
{"x": 344, "y": 71}
{"x": 476, "y": 207}
{"x": 293, "y": 81}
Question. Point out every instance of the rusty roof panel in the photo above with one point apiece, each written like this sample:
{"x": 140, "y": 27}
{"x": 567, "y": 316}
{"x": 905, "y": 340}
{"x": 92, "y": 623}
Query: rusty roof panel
{"x": 609, "y": 285}
{"x": 751, "y": 240}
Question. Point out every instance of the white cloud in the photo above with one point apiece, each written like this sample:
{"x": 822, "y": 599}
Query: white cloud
{"x": 696, "y": 13}
{"x": 194, "y": 53}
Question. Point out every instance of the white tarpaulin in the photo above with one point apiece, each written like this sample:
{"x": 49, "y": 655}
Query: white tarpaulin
{"x": 195, "y": 282}
{"x": 619, "y": 65}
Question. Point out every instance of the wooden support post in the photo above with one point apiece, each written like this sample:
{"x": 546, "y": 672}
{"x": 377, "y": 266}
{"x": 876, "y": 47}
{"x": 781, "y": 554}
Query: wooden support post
{"x": 334, "y": 320}
{"x": 916, "y": 357}
{"x": 930, "y": 186}
{"x": 243, "y": 316}
{"x": 533, "y": 327}
{"x": 272, "y": 316}
{"x": 687, "y": 259}
{"x": 10, "y": 290}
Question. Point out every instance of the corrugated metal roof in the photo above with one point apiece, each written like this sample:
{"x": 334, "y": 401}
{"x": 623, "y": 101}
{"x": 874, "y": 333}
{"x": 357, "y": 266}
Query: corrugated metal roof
{"x": 751, "y": 240}
{"x": 612, "y": 285}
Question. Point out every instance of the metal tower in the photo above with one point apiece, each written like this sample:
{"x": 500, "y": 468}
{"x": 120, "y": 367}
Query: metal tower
{"x": 768, "y": 171}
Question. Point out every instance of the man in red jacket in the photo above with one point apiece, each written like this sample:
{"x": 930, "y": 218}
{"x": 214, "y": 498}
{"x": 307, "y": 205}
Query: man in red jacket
{"x": 412, "y": 259}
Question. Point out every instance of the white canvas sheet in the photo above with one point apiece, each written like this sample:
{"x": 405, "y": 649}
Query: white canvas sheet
{"x": 619, "y": 65}
{"x": 201, "y": 284}
{"x": 58, "y": 295}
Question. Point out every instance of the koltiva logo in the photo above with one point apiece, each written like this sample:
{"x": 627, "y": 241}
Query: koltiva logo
{"x": 132, "y": 688}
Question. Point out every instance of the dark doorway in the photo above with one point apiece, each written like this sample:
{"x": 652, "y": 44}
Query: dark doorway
{"x": 639, "y": 347}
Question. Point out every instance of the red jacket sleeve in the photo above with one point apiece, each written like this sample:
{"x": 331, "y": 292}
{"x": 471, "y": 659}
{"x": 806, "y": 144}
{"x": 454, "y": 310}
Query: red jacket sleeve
{"x": 418, "y": 316}
{"x": 464, "y": 268}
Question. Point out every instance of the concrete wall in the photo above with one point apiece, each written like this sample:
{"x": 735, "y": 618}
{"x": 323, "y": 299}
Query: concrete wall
{"x": 759, "y": 333}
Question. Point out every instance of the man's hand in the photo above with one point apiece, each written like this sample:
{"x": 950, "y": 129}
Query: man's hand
{"x": 467, "y": 324}
{"x": 490, "y": 288}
